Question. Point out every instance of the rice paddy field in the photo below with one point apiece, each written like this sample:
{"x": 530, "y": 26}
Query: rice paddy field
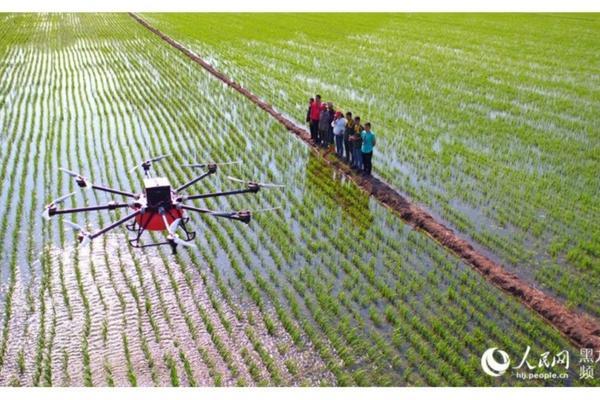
{"x": 490, "y": 121}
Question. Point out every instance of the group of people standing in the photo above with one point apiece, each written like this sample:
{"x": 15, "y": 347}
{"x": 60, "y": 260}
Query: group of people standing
{"x": 353, "y": 142}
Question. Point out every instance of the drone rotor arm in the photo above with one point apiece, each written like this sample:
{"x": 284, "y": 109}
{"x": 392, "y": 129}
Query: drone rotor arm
{"x": 251, "y": 189}
{"x": 197, "y": 209}
{"x": 197, "y": 179}
{"x": 155, "y": 159}
{"x": 110, "y": 206}
{"x": 243, "y": 216}
{"x": 102, "y": 231}
{"x": 252, "y": 183}
{"x": 111, "y": 190}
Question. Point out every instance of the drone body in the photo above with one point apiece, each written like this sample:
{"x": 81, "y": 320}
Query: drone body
{"x": 157, "y": 194}
{"x": 158, "y": 208}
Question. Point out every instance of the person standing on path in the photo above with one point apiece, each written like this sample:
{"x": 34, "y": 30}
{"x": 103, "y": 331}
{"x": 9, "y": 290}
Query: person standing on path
{"x": 348, "y": 131}
{"x": 310, "y": 102}
{"x": 314, "y": 113}
{"x": 368, "y": 143}
{"x": 330, "y": 141}
{"x": 324, "y": 125}
{"x": 339, "y": 126}
{"x": 356, "y": 140}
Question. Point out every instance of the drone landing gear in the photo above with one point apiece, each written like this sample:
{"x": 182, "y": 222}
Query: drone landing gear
{"x": 139, "y": 230}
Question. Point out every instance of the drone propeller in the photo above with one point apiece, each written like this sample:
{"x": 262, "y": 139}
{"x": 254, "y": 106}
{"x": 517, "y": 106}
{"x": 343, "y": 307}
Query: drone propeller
{"x": 62, "y": 198}
{"x": 221, "y": 213}
{"x": 76, "y": 227}
{"x": 46, "y": 213}
{"x": 203, "y": 165}
{"x": 264, "y": 210}
{"x": 148, "y": 162}
{"x": 69, "y": 172}
{"x": 80, "y": 179}
{"x": 265, "y": 185}
{"x": 184, "y": 243}
{"x": 84, "y": 236}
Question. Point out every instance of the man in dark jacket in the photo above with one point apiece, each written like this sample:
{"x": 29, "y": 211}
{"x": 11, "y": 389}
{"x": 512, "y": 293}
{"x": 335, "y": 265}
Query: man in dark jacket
{"x": 347, "y": 133}
{"x": 324, "y": 125}
{"x": 310, "y": 101}
{"x": 330, "y": 109}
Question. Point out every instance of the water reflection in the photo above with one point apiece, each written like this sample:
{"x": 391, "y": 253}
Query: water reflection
{"x": 323, "y": 182}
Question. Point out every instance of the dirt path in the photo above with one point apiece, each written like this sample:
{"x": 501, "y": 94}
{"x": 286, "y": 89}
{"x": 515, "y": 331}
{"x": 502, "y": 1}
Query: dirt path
{"x": 580, "y": 328}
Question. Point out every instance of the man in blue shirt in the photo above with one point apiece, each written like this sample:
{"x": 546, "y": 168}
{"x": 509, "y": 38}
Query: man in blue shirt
{"x": 368, "y": 142}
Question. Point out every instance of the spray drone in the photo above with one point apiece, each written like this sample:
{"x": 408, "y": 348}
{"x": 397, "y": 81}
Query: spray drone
{"x": 158, "y": 208}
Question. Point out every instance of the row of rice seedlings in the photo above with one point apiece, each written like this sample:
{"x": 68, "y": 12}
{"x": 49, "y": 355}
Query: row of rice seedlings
{"x": 44, "y": 349}
{"x": 43, "y": 359}
{"x": 73, "y": 59}
{"x": 146, "y": 308}
{"x": 32, "y": 245}
{"x": 24, "y": 147}
{"x": 31, "y": 307}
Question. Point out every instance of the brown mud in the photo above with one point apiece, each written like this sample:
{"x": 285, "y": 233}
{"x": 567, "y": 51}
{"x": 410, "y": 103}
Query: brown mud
{"x": 580, "y": 328}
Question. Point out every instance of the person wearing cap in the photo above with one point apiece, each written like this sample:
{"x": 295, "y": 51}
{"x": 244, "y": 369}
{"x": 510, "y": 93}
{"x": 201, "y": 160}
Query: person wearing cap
{"x": 356, "y": 140}
{"x": 339, "y": 126}
{"x": 315, "y": 111}
{"x": 348, "y": 131}
{"x": 368, "y": 143}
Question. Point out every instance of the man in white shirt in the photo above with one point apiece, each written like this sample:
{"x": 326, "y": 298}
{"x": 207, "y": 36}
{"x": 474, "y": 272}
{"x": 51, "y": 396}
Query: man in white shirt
{"x": 339, "y": 126}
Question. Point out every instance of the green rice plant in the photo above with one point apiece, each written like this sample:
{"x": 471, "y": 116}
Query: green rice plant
{"x": 172, "y": 370}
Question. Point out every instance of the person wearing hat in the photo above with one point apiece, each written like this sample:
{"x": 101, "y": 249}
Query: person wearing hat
{"x": 339, "y": 126}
